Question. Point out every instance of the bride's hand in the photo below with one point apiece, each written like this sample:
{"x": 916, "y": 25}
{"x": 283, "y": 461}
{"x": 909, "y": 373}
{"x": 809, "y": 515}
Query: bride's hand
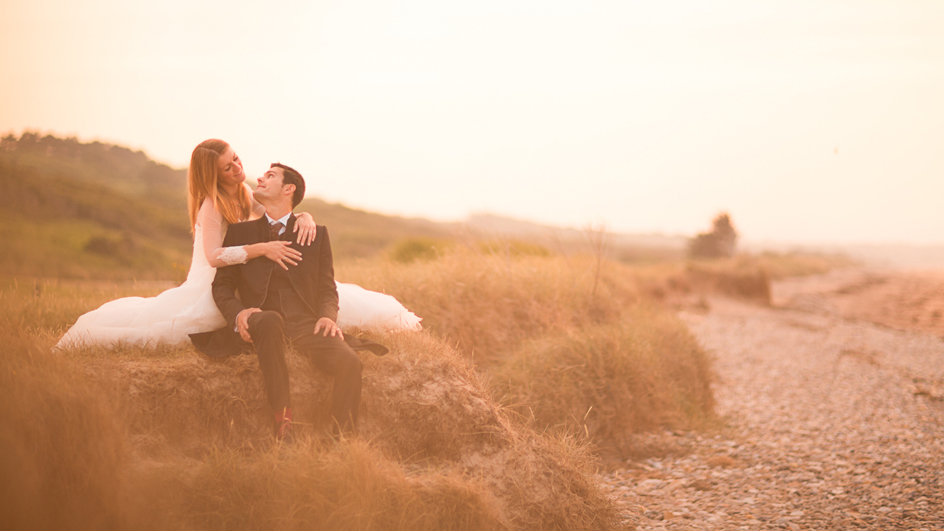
{"x": 279, "y": 252}
{"x": 305, "y": 227}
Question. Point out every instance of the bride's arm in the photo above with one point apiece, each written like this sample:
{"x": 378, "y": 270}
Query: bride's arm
{"x": 305, "y": 227}
{"x": 219, "y": 256}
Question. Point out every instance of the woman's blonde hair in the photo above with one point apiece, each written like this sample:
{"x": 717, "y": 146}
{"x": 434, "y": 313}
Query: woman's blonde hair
{"x": 203, "y": 183}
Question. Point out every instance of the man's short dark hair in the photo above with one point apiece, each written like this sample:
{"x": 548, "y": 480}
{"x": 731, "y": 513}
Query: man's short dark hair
{"x": 291, "y": 176}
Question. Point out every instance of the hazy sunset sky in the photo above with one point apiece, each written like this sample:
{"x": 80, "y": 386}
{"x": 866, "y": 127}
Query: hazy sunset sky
{"x": 809, "y": 121}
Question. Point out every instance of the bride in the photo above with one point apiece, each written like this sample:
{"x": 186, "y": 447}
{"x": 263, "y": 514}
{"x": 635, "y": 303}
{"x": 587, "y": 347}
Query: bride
{"x": 218, "y": 196}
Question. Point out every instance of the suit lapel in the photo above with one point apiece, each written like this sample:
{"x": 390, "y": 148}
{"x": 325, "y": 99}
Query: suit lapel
{"x": 289, "y": 227}
{"x": 301, "y": 275}
{"x": 261, "y": 236}
{"x": 262, "y": 229}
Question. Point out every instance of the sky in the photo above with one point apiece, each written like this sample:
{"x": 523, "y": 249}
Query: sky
{"x": 808, "y": 121}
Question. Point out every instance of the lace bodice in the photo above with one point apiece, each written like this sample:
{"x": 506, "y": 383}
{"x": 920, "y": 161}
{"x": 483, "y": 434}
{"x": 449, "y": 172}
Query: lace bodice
{"x": 208, "y": 235}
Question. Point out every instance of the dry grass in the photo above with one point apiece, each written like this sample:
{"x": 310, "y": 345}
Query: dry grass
{"x": 568, "y": 342}
{"x": 61, "y": 453}
{"x": 783, "y": 265}
{"x": 165, "y": 439}
{"x": 66, "y": 464}
{"x": 489, "y": 303}
{"x": 572, "y": 344}
{"x": 749, "y": 276}
{"x": 743, "y": 279}
{"x": 348, "y": 487}
{"x": 46, "y": 307}
{"x": 608, "y": 382}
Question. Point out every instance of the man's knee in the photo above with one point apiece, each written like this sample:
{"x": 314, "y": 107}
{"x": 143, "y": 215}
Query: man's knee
{"x": 349, "y": 361}
{"x": 265, "y": 321}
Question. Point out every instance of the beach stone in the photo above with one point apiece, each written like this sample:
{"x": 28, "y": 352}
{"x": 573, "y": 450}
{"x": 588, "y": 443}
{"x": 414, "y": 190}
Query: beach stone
{"x": 821, "y": 428}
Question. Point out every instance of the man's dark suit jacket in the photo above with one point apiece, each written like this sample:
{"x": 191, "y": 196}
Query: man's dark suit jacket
{"x": 313, "y": 279}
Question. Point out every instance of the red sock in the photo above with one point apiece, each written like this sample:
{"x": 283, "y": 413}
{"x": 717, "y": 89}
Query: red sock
{"x": 285, "y": 415}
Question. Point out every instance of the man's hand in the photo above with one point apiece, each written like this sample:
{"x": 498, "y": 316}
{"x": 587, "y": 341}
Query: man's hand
{"x": 280, "y": 252}
{"x": 329, "y": 328}
{"x": 242, "y": 323}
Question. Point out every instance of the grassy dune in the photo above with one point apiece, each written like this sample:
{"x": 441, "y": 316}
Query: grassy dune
{"x": 610, "y": 381}
{"x": 164, "y": 438}
{"x": 568, "y": 342}
{"x": 157, "y": 439}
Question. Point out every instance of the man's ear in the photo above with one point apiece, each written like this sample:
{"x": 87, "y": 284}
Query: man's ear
{"x": 291, "y": 189}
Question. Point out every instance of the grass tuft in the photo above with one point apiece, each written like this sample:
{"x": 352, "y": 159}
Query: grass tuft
{"x": 350, "y": 486}
{"x": 611, "y": 381}
{"x": 62, "y": 453}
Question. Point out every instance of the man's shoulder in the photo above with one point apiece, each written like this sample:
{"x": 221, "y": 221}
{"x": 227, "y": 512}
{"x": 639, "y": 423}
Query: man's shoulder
{"x": 242, "y": 230}
{"x": 250, "y": 223}
{"x": 321, "y": 233}
{"x": 244, "y": 226}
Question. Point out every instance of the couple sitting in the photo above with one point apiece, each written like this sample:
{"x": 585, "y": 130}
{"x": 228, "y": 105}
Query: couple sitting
{"x": 287, "y": 292}
{"x": 275, "y": 304}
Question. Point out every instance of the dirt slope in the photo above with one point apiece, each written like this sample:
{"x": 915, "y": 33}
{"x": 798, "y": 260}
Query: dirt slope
{"x": 902, "y": 300}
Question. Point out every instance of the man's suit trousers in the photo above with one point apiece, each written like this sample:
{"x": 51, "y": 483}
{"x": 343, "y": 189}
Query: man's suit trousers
{"x": 285, "y": 317}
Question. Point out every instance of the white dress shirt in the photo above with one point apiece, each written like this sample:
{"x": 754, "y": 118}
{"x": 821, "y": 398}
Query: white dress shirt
{"x": 283, "y": 220}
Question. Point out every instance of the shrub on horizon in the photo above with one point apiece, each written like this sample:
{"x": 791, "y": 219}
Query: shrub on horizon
{"x": 513, "y": 248}
{"x": 410, "y": 250}
{"x": 719, "y": 243}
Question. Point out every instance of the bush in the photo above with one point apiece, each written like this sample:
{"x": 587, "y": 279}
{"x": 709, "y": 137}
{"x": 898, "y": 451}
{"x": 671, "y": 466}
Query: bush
{"x": 412, "y": 249}
{"x": 610, "y": 381}
{"x": 513, "y": 248}
{"x": 719, "y": 243}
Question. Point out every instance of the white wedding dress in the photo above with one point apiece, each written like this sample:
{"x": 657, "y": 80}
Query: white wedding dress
{"x": 172, "y": 316}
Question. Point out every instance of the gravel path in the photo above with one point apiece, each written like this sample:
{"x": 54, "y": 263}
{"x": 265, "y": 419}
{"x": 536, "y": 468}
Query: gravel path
{"x": 828, "y": 424}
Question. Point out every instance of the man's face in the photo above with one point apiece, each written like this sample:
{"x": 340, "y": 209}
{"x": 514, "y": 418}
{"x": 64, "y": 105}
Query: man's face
{"x": 270, "y": 185}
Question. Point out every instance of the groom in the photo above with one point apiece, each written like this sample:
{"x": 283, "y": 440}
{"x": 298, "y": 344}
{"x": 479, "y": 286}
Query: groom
{"x": 276, "y": 306}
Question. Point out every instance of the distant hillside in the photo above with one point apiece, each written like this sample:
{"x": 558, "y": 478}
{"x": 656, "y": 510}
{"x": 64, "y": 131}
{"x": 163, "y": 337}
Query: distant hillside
{"x": 622, "y": 247}
{"x": 361, "y": 234}
{"x": 91, "y": 210}
{"x": 124, "y": 171}
{"x": 94, "y": 210}
{"x": 882, "y": 256}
